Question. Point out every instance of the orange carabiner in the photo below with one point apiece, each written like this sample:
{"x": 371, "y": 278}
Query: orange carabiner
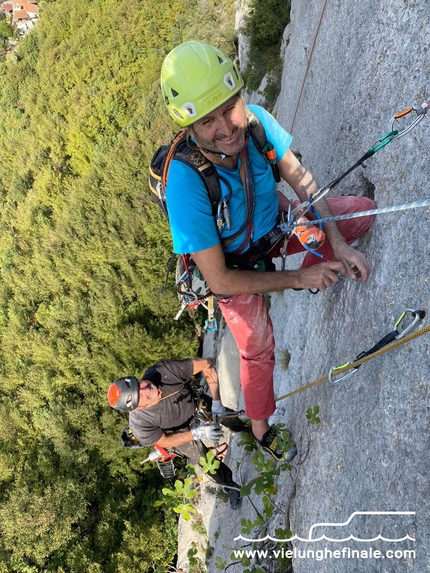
{"x": 403, "y": 113}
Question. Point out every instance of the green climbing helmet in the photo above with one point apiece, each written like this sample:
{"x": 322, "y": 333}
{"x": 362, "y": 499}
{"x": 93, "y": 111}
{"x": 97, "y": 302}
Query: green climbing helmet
{"x": 196, "y": 78}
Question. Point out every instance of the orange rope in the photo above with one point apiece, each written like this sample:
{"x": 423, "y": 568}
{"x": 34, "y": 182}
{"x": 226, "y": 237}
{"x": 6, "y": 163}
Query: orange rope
{"x": 169, "y": 157}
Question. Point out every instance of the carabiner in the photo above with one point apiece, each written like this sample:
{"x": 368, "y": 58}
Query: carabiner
{"x": 420, "y": 110}
{"x": 345, "y": 376}
{"x": 383, "y": 141}
{"x": 417, "y": 316}
{"x": 293, "y": 214}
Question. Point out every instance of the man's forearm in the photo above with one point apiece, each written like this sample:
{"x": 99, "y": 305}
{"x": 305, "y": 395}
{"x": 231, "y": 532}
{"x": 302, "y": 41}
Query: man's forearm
{"x": 332, "y": 232}
{"x": 175, "y": 439}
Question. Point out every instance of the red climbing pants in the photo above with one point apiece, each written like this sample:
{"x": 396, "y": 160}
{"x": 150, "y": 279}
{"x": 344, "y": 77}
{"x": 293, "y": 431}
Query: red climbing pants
{"x": 250, "y": 324}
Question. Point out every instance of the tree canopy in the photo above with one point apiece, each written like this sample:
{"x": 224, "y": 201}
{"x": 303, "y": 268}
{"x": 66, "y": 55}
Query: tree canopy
{"x": 83, "y": 254}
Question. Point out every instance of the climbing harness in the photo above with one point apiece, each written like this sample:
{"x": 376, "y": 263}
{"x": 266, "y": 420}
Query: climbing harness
{"x": 399, "y": 336}
{"x": 294, "y": 220}
{"x": 402, "y": 327}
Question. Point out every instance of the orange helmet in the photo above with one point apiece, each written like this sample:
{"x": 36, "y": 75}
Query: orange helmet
{"x": 123, "y": 394}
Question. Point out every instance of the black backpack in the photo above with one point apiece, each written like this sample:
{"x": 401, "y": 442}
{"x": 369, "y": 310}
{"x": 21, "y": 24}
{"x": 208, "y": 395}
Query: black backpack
{"x": 191, "y": 287}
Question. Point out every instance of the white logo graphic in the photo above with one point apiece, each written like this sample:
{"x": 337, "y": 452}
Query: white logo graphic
{"x": 311, "y": 539}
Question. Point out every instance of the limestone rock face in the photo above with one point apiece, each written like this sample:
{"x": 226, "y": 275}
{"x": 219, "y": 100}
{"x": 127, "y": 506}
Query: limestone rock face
{"x": 349, "y": 67}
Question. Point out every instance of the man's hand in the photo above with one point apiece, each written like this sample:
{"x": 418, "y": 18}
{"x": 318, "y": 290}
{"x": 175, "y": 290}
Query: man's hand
{"x": 357, "y": 267}
{"x": 217, "y": 408}
{"x": 209, "y": 432}
{"x": 321, "y": 276}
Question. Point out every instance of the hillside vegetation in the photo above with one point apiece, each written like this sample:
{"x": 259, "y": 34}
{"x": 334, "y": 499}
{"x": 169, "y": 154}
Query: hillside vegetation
{"x": 83, "y": 256}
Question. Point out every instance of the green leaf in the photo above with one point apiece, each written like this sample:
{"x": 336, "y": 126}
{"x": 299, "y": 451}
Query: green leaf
{"x": 281, "y": 533}
{"x": 268, "y": 507}
{"x": 220, "y": 564}
{"x": 246, "y": 489}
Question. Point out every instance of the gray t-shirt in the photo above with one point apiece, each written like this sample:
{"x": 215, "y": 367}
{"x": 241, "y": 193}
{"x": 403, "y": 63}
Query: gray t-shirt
{"x": 176, "y": 408}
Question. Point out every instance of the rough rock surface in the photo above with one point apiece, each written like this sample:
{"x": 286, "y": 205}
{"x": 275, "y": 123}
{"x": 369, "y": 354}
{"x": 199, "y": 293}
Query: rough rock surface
{"x": 370, "y": 453}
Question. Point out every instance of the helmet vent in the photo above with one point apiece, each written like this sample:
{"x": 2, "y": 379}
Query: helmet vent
{"x": 174, "y": 93}
{"x": 221, "y": 61}
{"x": 229, "y": 81}
{"x": 189, "y": 109}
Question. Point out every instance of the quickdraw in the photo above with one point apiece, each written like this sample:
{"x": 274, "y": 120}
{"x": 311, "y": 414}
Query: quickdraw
{"x": 210, "y": 322}
{"x": 294, "y": 215}
{"x": 398, "y": 337}
{"x": 406, "y": 322}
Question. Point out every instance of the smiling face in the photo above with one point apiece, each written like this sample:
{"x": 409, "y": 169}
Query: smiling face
{"x": 223, "y": 130}
{"x": 149, "y": 394}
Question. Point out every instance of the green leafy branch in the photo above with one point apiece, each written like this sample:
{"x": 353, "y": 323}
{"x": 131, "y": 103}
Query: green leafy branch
{"x": 179, "y": 499}
{"x": 174, "y": 498}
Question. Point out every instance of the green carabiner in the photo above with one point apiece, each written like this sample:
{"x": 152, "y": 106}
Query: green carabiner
{"x": 384, "y": 140}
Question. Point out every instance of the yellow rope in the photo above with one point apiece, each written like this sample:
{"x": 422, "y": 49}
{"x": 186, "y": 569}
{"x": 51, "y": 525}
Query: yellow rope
{"x": 352, "y": 365}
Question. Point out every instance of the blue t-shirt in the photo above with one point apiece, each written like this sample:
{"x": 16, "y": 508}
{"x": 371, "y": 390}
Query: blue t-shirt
{"x": 192, "y": 223}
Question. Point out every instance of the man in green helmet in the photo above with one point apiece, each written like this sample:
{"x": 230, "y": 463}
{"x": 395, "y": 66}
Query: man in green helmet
{"x": 201, "y": 87}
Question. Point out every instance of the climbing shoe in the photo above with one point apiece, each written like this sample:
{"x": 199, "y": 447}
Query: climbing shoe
{"x": 236, "y": 424}
{"x": 234, "y": 496}
{"x": 270, "y": 443}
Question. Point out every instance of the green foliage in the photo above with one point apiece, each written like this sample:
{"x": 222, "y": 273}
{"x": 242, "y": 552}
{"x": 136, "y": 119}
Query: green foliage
{"x": 173, "y": 498}
{"x": 185, "y": 491}
{"x": 263, "y": 485}
{"x": 5, "y": 31}
{"x": 83, "y": 254}
{"x": 209, "y": 463}
{"x": 312, "y": 415}
{"x": 266, "y": 468}
{"x": 195, "y": 563}
{"x": 281, "y": 533}
{"x": 220, "y": 564}
{"x": 264, "y": 27}
{"x": 191, "y": 554}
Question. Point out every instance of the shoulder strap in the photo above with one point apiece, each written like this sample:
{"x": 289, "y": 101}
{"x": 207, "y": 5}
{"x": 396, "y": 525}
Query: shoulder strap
{"x": 198, "y": 162}
{"x": 267, "y": 150}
